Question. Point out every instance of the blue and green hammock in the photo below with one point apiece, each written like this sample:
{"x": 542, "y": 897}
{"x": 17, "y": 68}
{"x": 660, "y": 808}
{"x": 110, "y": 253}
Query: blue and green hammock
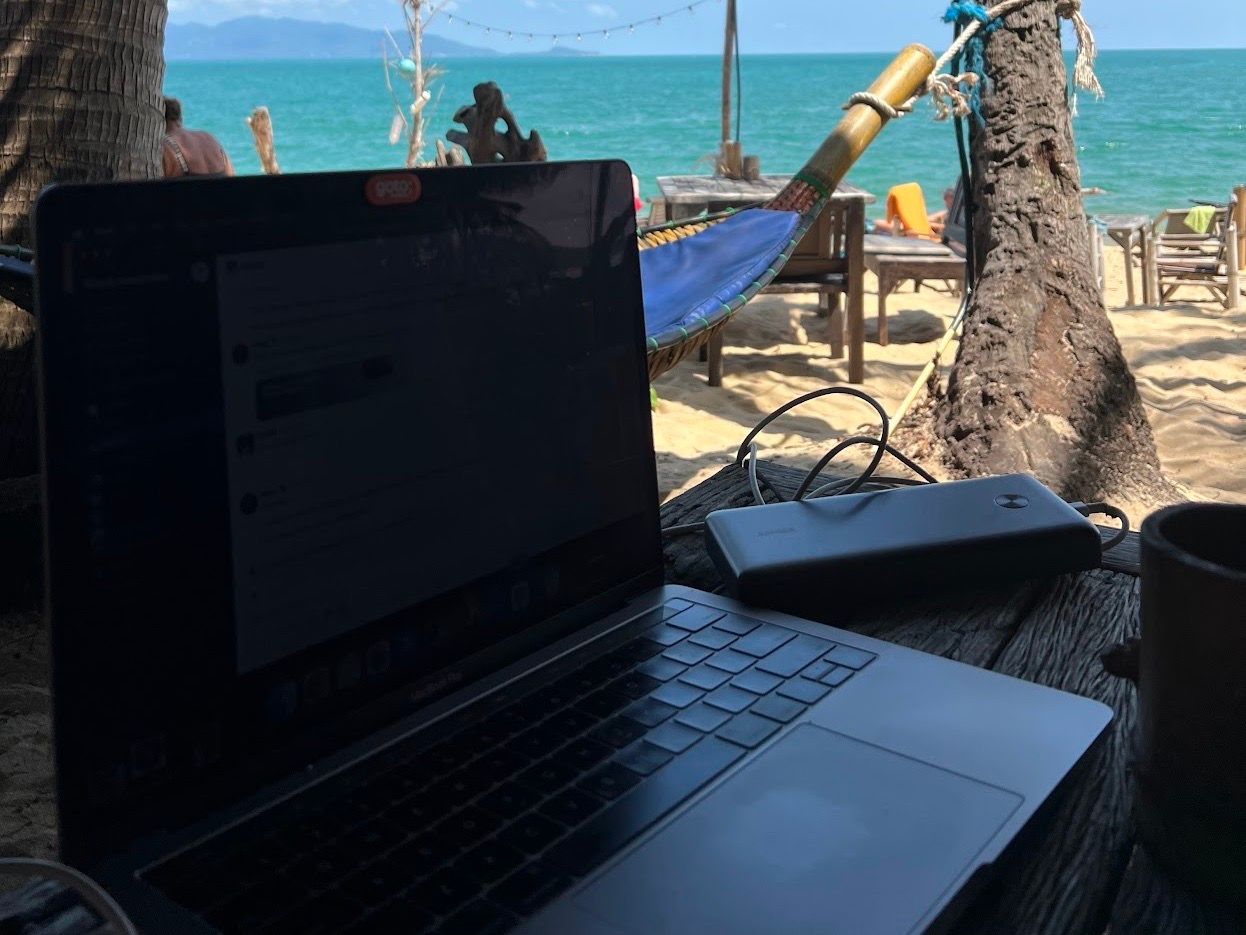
{"x": 693, "y": 284}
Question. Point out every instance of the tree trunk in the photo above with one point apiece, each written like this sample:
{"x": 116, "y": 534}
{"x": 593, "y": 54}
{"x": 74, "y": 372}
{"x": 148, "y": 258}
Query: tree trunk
{"x": 80, "y": 100}
{"x": 415, "y": 142}
{"x": 1040, "y": 384}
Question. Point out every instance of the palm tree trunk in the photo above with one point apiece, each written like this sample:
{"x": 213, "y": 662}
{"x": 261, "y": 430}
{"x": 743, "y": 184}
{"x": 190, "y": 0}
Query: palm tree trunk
{"x": 80, "y": 100}
{"x": 1040, "y": 384}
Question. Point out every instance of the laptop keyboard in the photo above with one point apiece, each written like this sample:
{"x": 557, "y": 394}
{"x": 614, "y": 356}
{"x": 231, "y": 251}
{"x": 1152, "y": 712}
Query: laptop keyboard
{"x": 486, "y": 827}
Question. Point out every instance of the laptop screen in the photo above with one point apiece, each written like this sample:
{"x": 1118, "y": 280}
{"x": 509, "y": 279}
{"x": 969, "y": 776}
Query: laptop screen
{"x": 312, "y": 445}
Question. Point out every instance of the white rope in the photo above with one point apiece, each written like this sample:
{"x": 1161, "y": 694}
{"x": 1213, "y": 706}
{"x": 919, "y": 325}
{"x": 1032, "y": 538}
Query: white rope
{"x": 1084, "y": 76}
{"x": 946, "y": 90}
{"x": 880, "y": 104}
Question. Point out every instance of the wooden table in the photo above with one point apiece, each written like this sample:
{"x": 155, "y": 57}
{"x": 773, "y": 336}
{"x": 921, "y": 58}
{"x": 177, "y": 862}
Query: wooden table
{"x": 896, "y": 259}
{"x": 687, "y": 196}
{"x": 1129, "y": 231}
{"x": 1080, "y": 870}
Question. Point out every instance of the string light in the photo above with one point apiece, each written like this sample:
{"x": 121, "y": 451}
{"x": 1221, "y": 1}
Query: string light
{"x": 656, "y": 20}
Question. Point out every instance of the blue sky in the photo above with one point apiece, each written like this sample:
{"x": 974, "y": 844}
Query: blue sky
{"x": 766, "y": 26}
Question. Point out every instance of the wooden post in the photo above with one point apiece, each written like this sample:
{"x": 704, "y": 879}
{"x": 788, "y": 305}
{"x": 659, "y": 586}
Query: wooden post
{"x": 1239, "y": 218}
{"x": 1150, "y": 265}
{"x": 1096, "y": 257}
{"x": 1233, "y": 267}
{"x": 714, "y": 357}
{"x": 902, "y": 79}
{"x": 728, "y": 161}
{"x": 261, "y": 125}
{"x": 835, "y": 321}
{"x": 856, "y": 291}
{"x": 1144, "y": 274}
{"x": 1130, "y": 297}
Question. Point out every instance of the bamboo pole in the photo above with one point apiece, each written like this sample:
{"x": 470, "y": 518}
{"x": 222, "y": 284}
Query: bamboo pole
{"x": 899, "y": 82}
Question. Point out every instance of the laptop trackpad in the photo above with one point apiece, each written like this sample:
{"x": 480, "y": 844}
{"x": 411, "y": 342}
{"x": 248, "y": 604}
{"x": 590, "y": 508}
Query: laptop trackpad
{"x": 821, "y": 834}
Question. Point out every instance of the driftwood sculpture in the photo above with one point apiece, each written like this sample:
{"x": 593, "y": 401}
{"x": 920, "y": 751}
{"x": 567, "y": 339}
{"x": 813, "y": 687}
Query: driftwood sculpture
{"x": 483, "y": 142}
{"x": 261, "y": 124}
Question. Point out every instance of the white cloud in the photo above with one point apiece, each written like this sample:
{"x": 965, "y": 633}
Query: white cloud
{"x": 600, "y": 9}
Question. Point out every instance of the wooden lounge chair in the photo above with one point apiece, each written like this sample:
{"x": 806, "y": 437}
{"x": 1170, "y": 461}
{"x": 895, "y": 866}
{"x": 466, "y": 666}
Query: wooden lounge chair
{"x": 696, "y": 277}
{"x": 895, "y": 260}
{"x": 1182, "y": 257}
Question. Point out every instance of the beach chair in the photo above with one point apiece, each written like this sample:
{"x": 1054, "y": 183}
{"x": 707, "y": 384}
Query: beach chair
{"x": 697, "y": 276}
{"x": 907, "y": 204}
{"x": 1184, "y": 255}
{"x": 895, "y": 260}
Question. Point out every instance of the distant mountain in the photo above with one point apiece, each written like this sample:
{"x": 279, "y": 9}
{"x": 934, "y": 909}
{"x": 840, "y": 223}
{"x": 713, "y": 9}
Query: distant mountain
{"x": 260, "y": 37}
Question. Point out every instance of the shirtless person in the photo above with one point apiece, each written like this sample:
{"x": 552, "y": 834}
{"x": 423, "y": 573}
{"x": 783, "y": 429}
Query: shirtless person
{"x": 190, "y": 152}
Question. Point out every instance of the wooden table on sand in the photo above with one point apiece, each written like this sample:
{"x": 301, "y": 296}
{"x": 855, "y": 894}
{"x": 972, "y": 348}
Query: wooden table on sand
{"x": 896, "y": 259}
{"x": 1130, "y": 231}
{"x": 687, "y": 196}
{"x": 1079, "y": 869}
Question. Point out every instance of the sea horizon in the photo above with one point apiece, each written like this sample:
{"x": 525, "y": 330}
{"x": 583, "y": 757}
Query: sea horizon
{"x": 335, "y": 114}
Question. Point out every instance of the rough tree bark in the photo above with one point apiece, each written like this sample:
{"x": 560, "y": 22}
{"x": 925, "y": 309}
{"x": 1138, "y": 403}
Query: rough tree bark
{"x": 80, "y": 100}
{"x": 1040, "y": 383}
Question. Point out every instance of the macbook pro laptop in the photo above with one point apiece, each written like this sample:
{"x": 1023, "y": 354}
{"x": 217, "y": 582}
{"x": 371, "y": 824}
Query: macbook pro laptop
{"x": 356, "y": 589}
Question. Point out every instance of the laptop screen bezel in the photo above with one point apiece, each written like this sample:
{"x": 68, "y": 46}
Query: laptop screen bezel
{"x": 82, "y": 837}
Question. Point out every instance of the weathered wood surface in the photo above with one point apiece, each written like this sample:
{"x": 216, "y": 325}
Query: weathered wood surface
{"x": 1070, "y": 874}
{"x": 699, "y": 189}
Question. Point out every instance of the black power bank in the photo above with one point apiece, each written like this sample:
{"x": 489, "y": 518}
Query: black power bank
{"x": 805, "y": 556}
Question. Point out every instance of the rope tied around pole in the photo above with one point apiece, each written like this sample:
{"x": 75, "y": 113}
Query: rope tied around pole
{"x": 884, "y": 108}
{"x": 959, "y": 95}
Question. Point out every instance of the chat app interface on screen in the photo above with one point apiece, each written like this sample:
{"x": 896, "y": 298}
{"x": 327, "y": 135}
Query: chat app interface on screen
{"x": 403, "y": 415}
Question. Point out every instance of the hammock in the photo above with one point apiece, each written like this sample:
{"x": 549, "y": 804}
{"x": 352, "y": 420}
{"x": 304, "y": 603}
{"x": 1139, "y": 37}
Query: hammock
{"x": 696, "y": 276}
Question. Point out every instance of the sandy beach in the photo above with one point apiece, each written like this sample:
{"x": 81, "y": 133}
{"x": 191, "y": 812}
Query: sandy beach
{"x": 1188, "y": 359}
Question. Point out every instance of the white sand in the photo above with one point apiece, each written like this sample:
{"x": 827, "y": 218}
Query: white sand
{"x": 1188, "y": 359}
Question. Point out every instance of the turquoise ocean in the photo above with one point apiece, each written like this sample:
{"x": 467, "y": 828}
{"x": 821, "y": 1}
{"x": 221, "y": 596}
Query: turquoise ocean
{"x": 1157, "y": 140}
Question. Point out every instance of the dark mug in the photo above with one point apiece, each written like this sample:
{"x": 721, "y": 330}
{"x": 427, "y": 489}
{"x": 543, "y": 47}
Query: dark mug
{"x": 1192, "y": 696}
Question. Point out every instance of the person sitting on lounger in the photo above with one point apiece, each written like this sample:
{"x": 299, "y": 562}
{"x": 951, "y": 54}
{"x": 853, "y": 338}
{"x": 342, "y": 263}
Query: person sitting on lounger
{"x": 938, "y": 220}
{"x": 906, "y": 213}
{"x": 190, "y": 152}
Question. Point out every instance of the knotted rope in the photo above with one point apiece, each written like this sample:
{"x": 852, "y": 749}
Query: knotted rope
{"x": 959, "y": 95}
{"x": 1084, "y": 76}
